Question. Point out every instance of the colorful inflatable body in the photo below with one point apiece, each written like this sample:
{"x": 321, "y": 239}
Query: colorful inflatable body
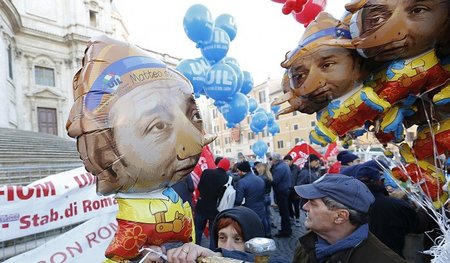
{"x": 404, "y": 34}
{"x": 136, "y": 141}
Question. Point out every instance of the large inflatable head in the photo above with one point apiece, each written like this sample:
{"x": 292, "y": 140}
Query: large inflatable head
{"x": 390, "y": 29}
{"x": 323, "y": 66}
{"x": 137, "y": 125}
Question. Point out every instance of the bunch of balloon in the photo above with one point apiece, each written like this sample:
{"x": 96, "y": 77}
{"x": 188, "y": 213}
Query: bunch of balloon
{"x": 272, "y": 126}
{"x": 214, "y": 74}
{"x": 304, "y": 11}
{"x": 260, "y": 148}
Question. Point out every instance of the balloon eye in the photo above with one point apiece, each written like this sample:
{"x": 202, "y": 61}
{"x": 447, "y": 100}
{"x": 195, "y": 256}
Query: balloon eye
{"x": 196, "y": 117}
{"x": 160, "y": 125}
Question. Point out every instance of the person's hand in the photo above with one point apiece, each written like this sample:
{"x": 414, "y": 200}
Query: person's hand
{"x": 151, "y": 256}
{"x": 189, "y": 252}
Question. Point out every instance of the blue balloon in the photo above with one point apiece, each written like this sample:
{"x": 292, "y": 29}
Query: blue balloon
{"x": 204, "y": 63}
{"x": 252, "y": 105}
{"x": 228, "y": 24}
{"x": 221, "y": 82}
{"x": 260, "y": 148}
{"x": 259, "y": 109}
{"x": 236, "y": 109}
{"x": 193, "y": 70}
{"x": 270, "y": 118}
{"x": 259, "y": 120}
{"x": 275, "y": 108}
{"x": 229, "y": 60}
{"x": 274, "y": 128}
{"x": 238, "y": 71}
{"x": 231, "y": 125}
{"x": 198, "y": 24}
{"x": 254, "y": 129}
{"x": 217, "y": 48}
{"x": 247, "y": 84}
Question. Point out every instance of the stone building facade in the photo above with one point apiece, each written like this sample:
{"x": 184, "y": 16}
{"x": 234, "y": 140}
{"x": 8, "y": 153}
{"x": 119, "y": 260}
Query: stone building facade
{"x": 42, "y": 43}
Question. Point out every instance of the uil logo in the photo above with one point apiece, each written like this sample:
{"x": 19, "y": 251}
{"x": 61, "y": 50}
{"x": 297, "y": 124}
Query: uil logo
{"x": 111, "y": 82}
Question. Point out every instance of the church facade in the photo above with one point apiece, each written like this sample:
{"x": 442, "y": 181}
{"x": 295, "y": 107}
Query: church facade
{"x": 42, "y": 43}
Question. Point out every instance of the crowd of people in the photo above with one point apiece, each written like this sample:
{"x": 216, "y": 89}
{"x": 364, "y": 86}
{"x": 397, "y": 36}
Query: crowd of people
{"x": 347, "y": 212}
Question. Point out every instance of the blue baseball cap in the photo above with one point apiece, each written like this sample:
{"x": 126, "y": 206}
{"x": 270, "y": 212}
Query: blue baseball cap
{"x": 344, "y": 189}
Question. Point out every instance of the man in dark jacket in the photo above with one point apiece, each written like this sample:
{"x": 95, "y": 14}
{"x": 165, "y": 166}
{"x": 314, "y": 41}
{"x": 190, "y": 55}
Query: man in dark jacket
{"x": 390, "y": 219}
{"x": 337, "y": 210}
{"x": 281, "y": 174}
{"x": 294, "y": 199}
{"x": 210, "y": 187}
{"x": 250, "y": 188}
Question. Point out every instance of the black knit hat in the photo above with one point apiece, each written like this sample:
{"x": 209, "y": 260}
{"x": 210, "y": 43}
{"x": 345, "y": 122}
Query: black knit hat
{"x": 244, "y": 167}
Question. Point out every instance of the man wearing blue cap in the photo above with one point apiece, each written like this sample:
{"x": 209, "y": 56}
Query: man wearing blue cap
{"x": 390, "y": 219}
{"x": 337, "y": 215}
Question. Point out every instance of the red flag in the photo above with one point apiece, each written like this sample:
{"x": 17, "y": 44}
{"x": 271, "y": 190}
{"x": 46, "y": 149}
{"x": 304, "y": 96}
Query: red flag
{"x": 331, "y": 150}
{"x": 300, "y": 153}
{"x": 206, "y": 161}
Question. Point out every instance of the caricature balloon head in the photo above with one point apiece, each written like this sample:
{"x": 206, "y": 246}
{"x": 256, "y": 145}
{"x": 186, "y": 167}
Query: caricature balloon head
{"x": 137, "y": 125}
{"x": 323, "y": 66}
{"x": 391, "y": 29}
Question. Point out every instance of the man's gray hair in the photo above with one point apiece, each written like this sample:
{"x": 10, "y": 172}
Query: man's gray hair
{"x": 276, "y": 157}
{"x": 355, "y": 217}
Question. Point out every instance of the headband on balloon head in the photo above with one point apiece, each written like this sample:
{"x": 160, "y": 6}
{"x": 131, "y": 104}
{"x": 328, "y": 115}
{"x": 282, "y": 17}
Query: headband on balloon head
{"x": 324, "y": 31}
{"x": 112, "y": 68}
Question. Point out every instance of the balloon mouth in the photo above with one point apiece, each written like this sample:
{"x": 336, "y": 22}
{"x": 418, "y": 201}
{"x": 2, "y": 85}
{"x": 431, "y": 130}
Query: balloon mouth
{"x": 186, "y": 169}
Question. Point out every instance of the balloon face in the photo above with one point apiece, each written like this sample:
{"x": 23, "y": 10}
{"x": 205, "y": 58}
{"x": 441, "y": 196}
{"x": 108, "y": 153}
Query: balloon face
{"x": 228, "y": 24}
{"x": 198, "y": 24}
{"x": 193, "y": 70}
{"x": 118, "y": 118}
{"x": 236, "y": 109}
{"x": 388, "y": 30}
{"x": 217, "y": 48}
{"x": 325, "y": 74}
{"x": 143, "y": 119}
{"x": 247, "y": 84}
{"x": 221, "y": 82}
{"x": 260, "y": 148}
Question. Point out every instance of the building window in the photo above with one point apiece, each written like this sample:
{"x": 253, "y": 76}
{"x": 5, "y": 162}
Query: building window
{"x": 294, "y": 113}
{"x": 297, "y": 140}
{"x": 10, "y": 68}
{"x": 214, "y": 112}
{"x": 280, "y": 144}
{"x": 224, "y": 126}
{"x": 295, "y": 127}
{"x": 228, "y": 150}
{"x": 313, "y": 123}
{"x": 262, "y": 96}
{"x": 93, "y": 18}
{"x": 44, "y": 76}
{"x": 251, "y": 136}
{"x": 248, "y": 119}
{"x": 268, "y": 144}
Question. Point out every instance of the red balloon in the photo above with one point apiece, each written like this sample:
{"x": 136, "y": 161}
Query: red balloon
{"x": 279, "y": 1}
{"x": 310, "y": 11}
{"x": 295, "y": 6}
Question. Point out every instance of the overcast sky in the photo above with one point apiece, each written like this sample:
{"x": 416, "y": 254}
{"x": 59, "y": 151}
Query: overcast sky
{"x": 264, "y": 33}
